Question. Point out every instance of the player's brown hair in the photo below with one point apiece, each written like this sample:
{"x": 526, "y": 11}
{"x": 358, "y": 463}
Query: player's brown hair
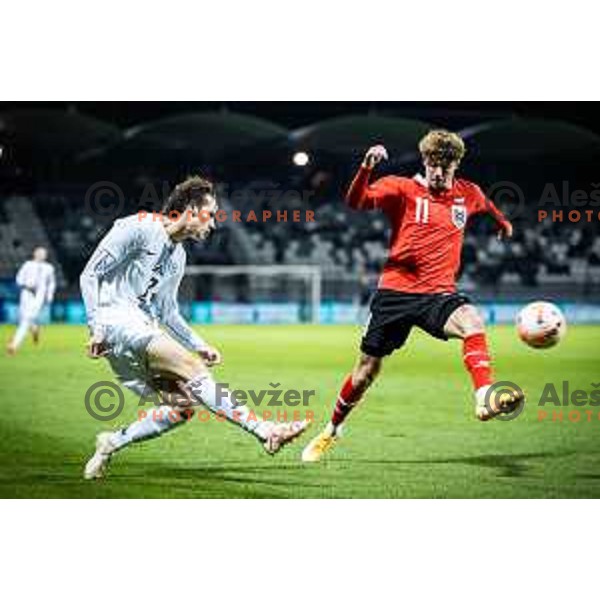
{"x": 193, "y": 192}
{"x": 442, "y": 147}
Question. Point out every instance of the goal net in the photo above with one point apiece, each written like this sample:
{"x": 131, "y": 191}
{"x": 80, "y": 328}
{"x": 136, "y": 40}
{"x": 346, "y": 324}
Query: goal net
{"x": 253, "y": 293}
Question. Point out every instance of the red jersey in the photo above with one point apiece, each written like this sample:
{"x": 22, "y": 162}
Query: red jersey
{"x": 427, "y": 228}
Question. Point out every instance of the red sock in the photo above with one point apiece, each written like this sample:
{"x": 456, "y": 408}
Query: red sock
{"x": 477, "y": 359}
{"x": 347, "y": 400}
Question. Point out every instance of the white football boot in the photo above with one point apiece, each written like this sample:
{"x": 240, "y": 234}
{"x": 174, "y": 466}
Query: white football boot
{"x": 97, "y": 465}
{"x": 499, "y": 402}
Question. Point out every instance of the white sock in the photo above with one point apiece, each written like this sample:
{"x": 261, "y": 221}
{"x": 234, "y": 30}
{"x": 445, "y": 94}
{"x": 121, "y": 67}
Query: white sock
{"x": 21, "y": 333}
{"x": 203, "y": 388}
{"x": 155, "y": 423}
{"x": 480, "y": 394}
{"x": 333, "y": 430}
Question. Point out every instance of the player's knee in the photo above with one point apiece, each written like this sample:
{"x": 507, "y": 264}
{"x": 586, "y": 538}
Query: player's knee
{"x": 465, "y": 321}
{"x": 473, "y": 322}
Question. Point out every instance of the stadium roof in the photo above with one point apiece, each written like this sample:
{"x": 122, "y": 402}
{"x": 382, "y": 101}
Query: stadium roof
{"x": 55, "y": 132}
{"x": 217, "y": 138}
{"x": 345, "y": 135}
{"x": 212, "y": 133}
{"x": 513, "y": 138}
{"x": 190, "y": 138}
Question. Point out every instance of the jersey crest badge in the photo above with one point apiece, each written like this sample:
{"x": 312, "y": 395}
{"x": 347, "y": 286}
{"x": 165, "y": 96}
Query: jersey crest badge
{"x": 459, "y": 216}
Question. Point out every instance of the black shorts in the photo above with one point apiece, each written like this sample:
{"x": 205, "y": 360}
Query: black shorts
{"x": 393, "y": 315}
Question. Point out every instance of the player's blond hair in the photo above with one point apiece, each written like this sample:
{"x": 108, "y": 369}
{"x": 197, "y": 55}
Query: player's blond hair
{"x": 440, "y": 146}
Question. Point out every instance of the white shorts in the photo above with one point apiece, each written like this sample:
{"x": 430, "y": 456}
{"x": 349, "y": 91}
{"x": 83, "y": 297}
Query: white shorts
{"x": 127, "y": 336}
{"x": 30, "y": 307}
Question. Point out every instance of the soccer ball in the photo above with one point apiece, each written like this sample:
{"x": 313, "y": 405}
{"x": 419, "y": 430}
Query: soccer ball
{"x": 541, "y": 325}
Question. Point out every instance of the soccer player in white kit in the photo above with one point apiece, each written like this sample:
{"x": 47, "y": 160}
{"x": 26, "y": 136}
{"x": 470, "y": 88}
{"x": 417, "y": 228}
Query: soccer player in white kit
{"x": 129, "y": 288}
{"x": 37, "y": 283}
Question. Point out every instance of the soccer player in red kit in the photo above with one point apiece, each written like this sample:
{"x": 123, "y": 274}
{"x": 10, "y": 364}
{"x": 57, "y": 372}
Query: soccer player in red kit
{"x": 428, "y": 215}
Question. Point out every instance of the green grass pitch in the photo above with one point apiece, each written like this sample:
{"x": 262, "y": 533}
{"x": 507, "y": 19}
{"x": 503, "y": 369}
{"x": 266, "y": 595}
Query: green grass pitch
{"x": 415, "y": 435}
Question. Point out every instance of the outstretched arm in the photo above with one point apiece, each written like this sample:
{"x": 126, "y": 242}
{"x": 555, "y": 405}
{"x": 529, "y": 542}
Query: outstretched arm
{"x": 176, "y": 325}
{"x": 483, "y": 205}
{"x": 505, "y": 228}
{"x": 364, "y": 196}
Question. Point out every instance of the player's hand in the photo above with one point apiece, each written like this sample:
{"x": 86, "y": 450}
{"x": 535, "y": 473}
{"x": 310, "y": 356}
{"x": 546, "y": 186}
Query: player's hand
{"x": 96, "y": 347}
{"x": 374, "y": 155}
{"x": 211, "y": 356}
{"x": 506, "y": 230}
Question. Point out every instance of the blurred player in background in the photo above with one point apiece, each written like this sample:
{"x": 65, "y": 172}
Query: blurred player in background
{"x": 428, "y": 215}
{"x": 130, "y": 287}
{"x": 37, "y": 282}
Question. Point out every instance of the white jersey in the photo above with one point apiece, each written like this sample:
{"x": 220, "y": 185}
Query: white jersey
{"x": 137, "y": 267}
{"x": 37, "y": 282}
